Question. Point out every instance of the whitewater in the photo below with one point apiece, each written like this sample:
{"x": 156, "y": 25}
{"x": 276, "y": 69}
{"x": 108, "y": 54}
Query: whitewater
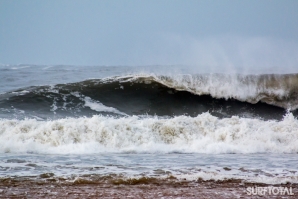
{"x": 182, "y": 134}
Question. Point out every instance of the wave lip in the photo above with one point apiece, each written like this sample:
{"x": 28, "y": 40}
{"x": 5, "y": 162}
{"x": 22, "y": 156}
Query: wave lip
{"x": 276, "y": 89}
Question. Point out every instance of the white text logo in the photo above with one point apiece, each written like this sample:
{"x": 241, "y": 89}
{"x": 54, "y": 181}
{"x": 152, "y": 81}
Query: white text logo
{"x": 261, "y": 191}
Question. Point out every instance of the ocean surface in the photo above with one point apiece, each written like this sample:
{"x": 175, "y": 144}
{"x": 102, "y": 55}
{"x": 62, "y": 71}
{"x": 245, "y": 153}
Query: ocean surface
{"x": 88, "y": 122}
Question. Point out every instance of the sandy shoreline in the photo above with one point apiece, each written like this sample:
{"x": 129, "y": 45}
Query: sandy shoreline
{"x": 150, "y": 188}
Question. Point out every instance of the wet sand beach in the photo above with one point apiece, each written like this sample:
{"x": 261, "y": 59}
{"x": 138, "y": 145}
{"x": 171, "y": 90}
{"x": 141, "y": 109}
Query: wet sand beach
{"x": 141, "y": 188}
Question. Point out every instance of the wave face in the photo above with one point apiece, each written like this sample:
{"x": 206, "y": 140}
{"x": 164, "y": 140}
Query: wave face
{"x": 223, "y": 95}
{"x": 182, "y": 134}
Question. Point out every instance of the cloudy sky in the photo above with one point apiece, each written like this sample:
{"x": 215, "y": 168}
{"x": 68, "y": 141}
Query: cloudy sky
{"x": 250, "y": 33}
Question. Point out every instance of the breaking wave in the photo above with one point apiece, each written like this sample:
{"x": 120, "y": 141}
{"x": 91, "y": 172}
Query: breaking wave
{"x": 223, "y": 95}
{"x": 275, "y": 89}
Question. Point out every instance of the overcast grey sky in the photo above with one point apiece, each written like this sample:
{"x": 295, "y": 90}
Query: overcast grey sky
{"x": 249, "y": 33}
